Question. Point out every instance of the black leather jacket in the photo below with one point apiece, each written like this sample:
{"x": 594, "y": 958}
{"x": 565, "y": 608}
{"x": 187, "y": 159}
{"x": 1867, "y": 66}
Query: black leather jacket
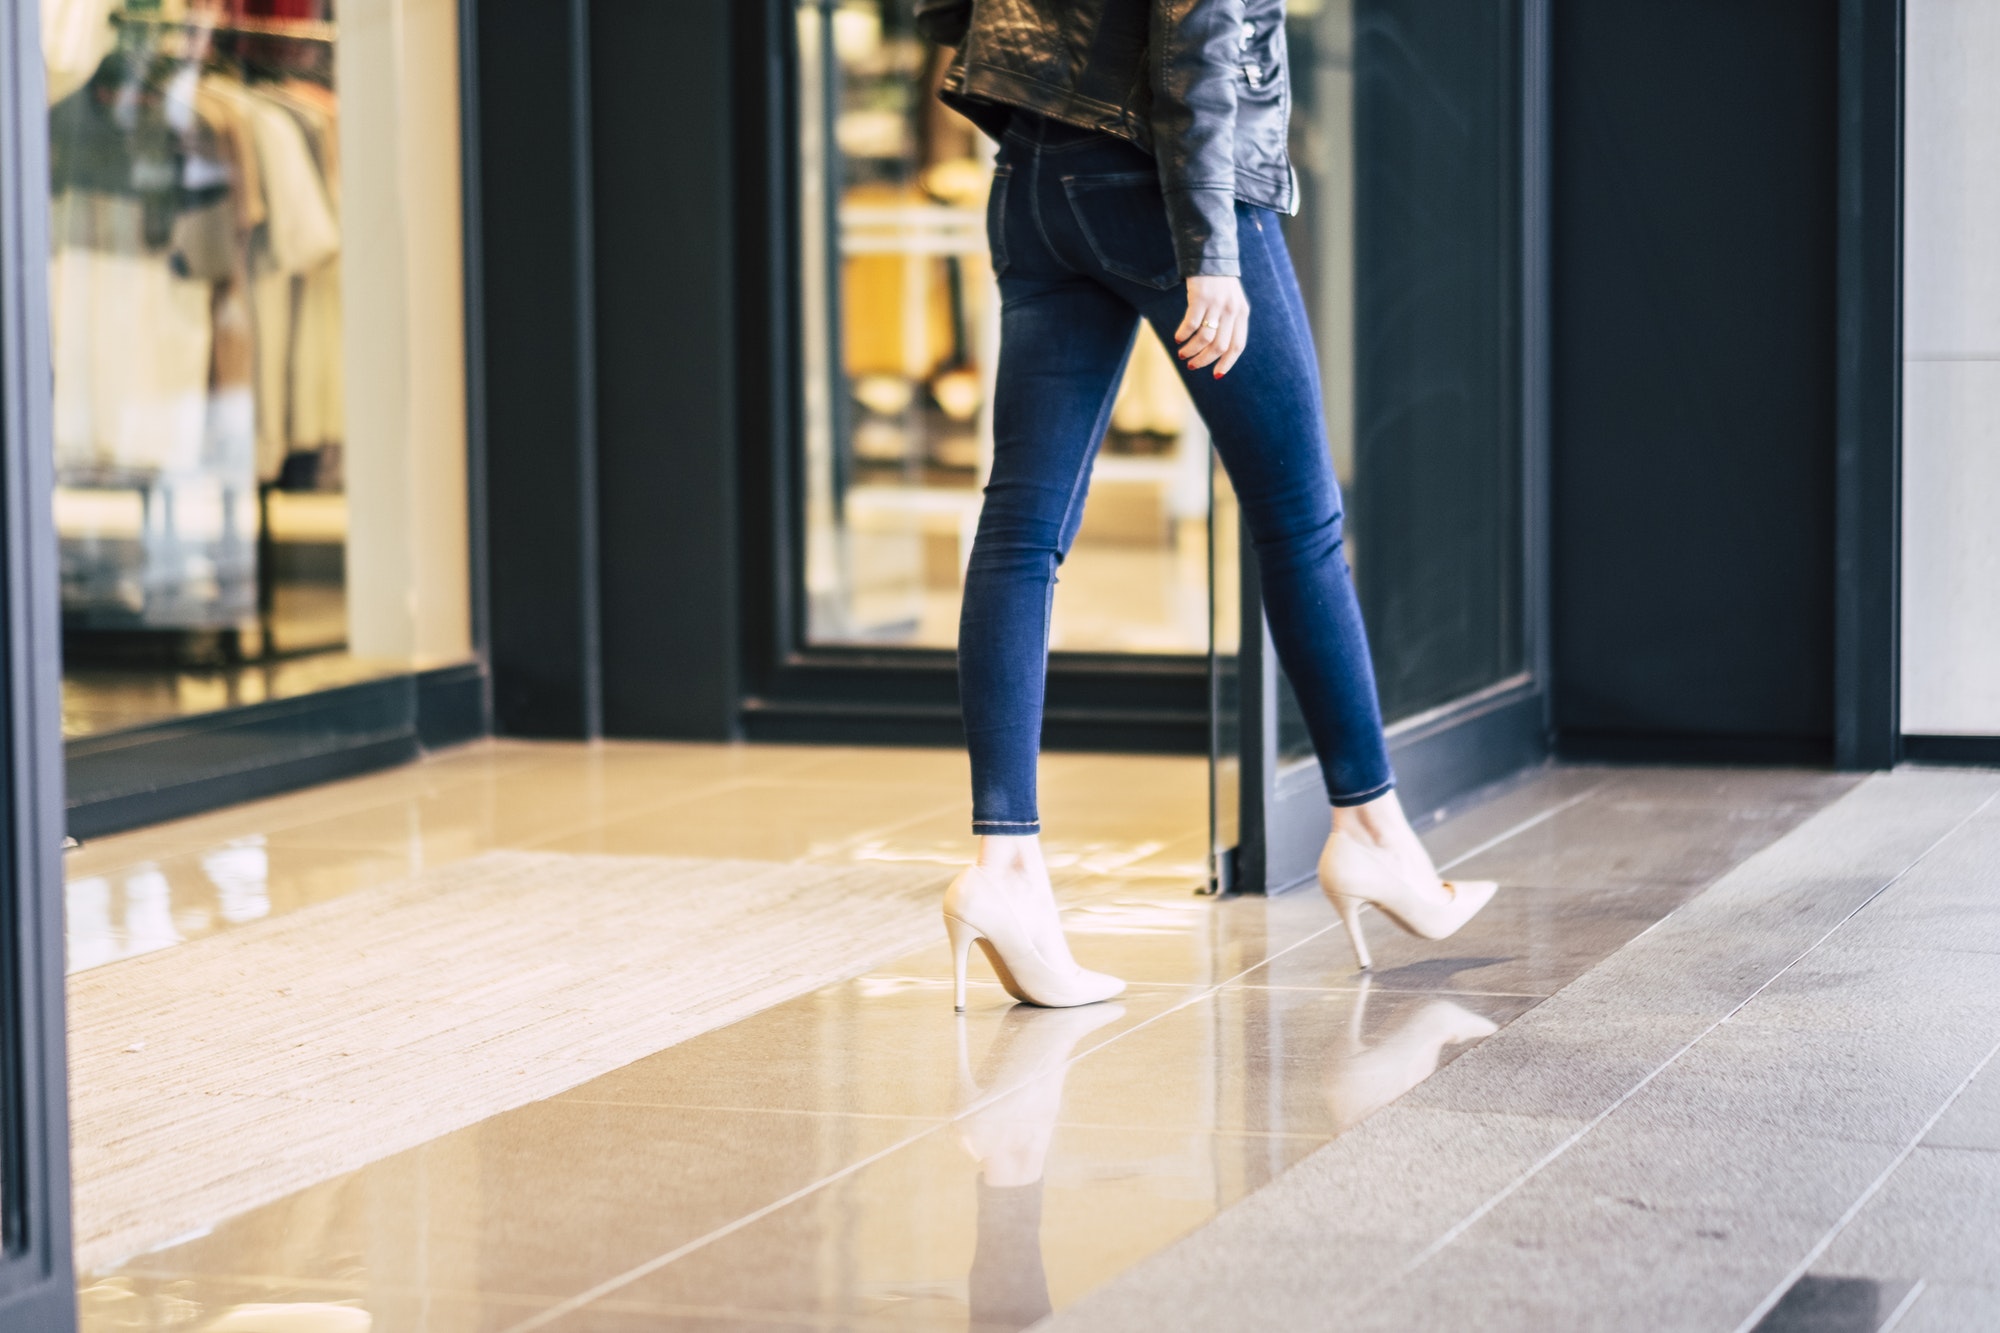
{"x": 1200, "y": 84}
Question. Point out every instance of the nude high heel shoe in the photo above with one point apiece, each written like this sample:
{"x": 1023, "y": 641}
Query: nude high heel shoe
{"x": 981, "y": 908}
{"x": 1352, "y": 872}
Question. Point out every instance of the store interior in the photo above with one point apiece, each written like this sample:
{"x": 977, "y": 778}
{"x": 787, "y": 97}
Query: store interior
{"x": 240, "y": 474}
{"x": 902, "y": 332}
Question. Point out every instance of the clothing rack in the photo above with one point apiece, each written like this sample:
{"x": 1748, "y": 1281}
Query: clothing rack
{"x": 302, "y": 30}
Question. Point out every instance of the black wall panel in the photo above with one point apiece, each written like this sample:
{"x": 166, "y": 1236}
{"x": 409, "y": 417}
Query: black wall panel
{"x": 605, "y": 303}
{"x": 1437, "y": 430}
{"x": 537, "y": 394}
{"x": 663, "y": 190}
{"x": 1694, "y": 169}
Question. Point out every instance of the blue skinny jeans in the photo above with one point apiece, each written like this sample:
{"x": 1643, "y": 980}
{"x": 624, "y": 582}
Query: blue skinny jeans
{"x": 1079, "y": 236}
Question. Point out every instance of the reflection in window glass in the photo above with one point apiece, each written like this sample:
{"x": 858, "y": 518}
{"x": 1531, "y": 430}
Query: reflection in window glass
{"x": 1405, "y": 139}
{"x": 901, "y": 326}
{"x": 257, "y": 345}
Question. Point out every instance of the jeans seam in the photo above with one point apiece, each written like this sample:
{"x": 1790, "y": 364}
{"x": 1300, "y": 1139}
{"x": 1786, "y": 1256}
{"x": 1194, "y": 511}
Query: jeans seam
{"x": 1035, "y": 210}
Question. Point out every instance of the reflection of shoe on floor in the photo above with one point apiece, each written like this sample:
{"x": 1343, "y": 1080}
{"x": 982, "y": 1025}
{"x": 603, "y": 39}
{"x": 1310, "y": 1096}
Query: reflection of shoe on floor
{"x": 1370, "y": 1077}
{"x": 1009, "y": 1136}
{"x": 1031, "y": 1043}
{"x": 306, "y": 1317}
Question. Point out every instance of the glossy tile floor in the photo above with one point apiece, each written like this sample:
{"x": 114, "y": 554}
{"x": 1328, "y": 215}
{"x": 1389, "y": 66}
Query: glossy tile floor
{"x": 858, "y": 1156}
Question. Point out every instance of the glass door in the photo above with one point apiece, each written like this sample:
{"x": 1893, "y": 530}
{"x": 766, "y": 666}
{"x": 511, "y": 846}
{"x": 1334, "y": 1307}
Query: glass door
{"x": 1408, "y": 128}
{"x": 37, "y": 1289}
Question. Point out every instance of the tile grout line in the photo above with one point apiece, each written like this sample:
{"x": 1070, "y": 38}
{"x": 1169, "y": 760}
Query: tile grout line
{"x": 1902, "y": 1306}
{"x": 1854, "y": 1209}
{"x": 654, "y": 1265}
{"x": 1472, "y": 1219}
{"x": 1525, "y": 825}
{"x": 574, "y": 1303}
{"x": 1446, "y": 992}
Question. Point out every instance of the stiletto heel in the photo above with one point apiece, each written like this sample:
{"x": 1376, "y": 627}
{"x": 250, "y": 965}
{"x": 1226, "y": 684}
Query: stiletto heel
{"x": 961, "y": 937}
{"x": 1350, "y": 916}
{"x": 1352, "y": 872}
{"x": 1028, "y": 955}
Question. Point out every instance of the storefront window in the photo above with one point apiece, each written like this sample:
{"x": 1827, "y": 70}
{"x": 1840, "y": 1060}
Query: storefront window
{"x": 901, "y": 334}
{"x": 255, "y": 292}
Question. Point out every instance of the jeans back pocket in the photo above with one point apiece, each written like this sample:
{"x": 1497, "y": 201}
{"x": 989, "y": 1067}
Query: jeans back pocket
{"x": 1124, "y": 219}
{"x": 996, "y": 216}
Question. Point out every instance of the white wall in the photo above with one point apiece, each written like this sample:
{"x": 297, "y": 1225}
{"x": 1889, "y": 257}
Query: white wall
{"x": 408, "y": 585}
{"x": 1951, "y": 369}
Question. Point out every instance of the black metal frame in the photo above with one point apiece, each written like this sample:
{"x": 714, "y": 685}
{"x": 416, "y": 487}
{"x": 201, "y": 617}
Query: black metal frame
{"x": 796, "y": 690}
{"x": 37, "y": 1285}
{"x": 1868, "y": 493}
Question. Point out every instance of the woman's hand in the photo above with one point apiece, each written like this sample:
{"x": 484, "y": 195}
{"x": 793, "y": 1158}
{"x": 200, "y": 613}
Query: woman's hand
{"x": 1217, "y": 326}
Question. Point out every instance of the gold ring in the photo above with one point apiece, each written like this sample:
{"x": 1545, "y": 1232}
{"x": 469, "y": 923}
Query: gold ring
{"x": 1210, "y": 324}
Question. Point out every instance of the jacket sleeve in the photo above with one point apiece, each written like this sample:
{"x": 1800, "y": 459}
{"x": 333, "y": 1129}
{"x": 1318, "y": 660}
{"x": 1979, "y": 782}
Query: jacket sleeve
{"x": 944, "y": 21}
{"x": 1196, "y": 51}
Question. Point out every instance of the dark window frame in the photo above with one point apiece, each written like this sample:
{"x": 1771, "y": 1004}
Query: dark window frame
{"x": 37, "y": 1284}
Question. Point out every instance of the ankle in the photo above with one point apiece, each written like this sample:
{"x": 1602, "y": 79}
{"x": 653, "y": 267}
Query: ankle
{"x": 1023, "y": 853}
{"x": 1379, "y": 822}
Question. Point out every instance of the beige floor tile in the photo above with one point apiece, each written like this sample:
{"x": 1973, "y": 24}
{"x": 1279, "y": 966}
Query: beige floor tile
{"x": 184, "y": 895}
{"x": 885, "y": 1044}
{"x": 1159, "y": 931}
{"x": 164, "y": 1301}
{"x": 639, "y": 760}
{"x": 765, "y": 820}
{"x": 485, "y": 813}
{"x": 1253, "y": 1060}
{"x": 529, "y": 1207}
{"x": 981, "y": 1225}
{"x": 894, "y": 765}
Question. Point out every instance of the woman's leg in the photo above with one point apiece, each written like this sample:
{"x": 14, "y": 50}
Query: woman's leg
{"x": 1063, "y": 342}
{"x": 1269, "y": 428}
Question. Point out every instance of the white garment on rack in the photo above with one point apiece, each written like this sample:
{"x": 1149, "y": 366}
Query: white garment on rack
{"x": 131, "y": 346}
{"x": 301, "y": 231}
{"x": 319, "y": 410}
{"x": 76, "y": 35}
{"x": 300, "y": 234}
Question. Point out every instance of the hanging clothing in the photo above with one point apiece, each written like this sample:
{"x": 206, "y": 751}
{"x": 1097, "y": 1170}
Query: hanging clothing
{"x": 296, "y": 361}
{"x": 140, "y": 232}
{"x": 194, "y": 285}
{"x": 318, "y": 383}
